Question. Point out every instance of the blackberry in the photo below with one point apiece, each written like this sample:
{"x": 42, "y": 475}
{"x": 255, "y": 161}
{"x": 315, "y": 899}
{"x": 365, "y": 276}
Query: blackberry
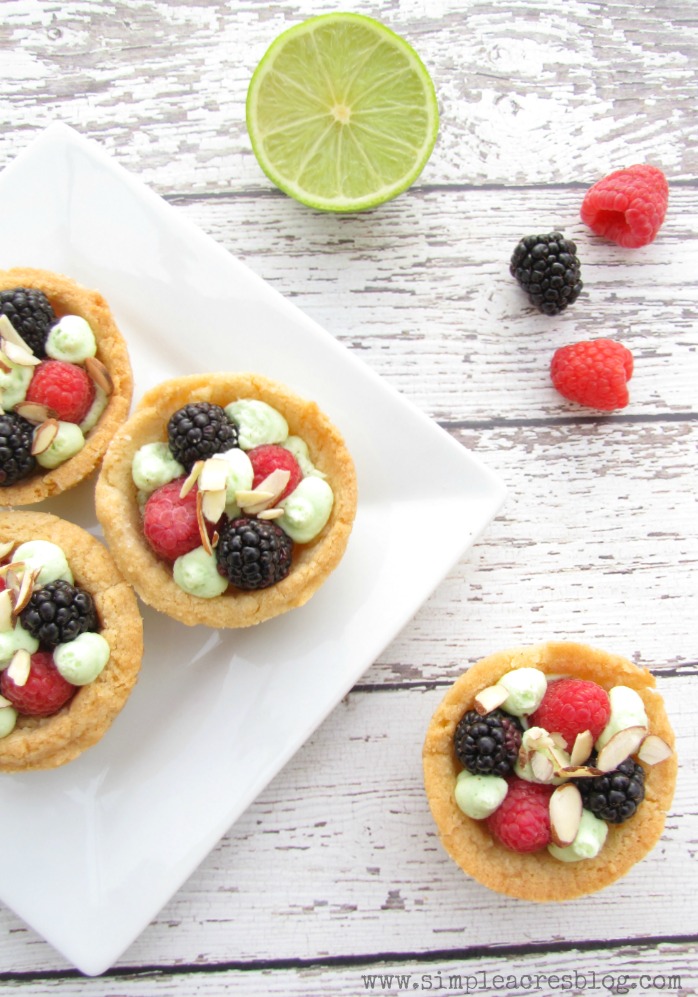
{"x": 200, "y": 430}
{"x": 16, "y": 460}
{"x": 488, "y": 745}
{"x": 59, "y": 612}
{"x": 31, "y": 314}
{"x": 253, "y": 553}
{"x": 616, "y": 795}
{"x": 547, "y": 268}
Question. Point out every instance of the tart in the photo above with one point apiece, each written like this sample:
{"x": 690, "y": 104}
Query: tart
{"x": 247, "y": 414}
{"x": 58, "y": 464}
{"x": 539, "y": 875}
{"x": 94, "y": 685}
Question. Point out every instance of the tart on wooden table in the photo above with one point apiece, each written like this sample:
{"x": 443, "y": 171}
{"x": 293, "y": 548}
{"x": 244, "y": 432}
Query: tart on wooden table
{"x": 65, "y": 383}
{"x": 71, "y": 641}
{"x": 550, "y": 770}
{"x": 226, "y": 499}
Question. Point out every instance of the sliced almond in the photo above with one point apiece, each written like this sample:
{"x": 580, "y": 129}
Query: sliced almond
{"x": 558, "y": 740}
{"x": 21, "y": 356}
{"x": 623, "y": 744}
{"x": 5, "y": 365}
{"x": 6, "y": 608}
{"x": 191, "y": 478}
{"x": 578, "y": 772}
{"x": 26, "y": 588}
{"x": 558, "y": 756}
{"x": 99, "y": 374}
{"x": 213, "y": 504}
{"x": 10, "y": 334}
{"x": 34, "y": 411}
{"x": 6, "y": 548}
{"x": 542, "y": 768}
{"x": 565, "y": 814}
{"x": 214, "y": 475}
{"x": 654, "y": 749}
{"x": 582, "y": 748}
{"x": 490, "y": 699}
{"x": 270, "y": 513}
{"x": 20, "y": 666}
{"x": 203, "y": 528}
{"x": 13, "y": 574}
{"x": 4, "y": 702}
{"x": 273, "y": 486}
{"x": 246, "y": 498}
{"x": 44, "y": 435}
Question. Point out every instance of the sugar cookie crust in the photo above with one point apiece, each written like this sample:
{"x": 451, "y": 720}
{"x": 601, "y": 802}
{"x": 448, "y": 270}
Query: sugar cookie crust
{"x": 47, "y": 742}
{"x": 539, "y": 876}
{"x": 117, "y": 509}
{"x": 69, "y": 298}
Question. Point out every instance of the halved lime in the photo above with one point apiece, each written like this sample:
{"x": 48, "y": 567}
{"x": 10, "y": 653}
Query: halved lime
{"x": 341, "y": 113}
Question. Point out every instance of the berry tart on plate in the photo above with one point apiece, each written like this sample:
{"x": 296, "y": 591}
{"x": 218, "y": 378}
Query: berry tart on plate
{"x": 65, "y": 383}
{"x": 71, "y": 641}
{"x": 550, "y": 770}
{"x": 226, "y": 499}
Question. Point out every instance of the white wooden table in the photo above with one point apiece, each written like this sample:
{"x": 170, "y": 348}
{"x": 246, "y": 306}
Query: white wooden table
{"x": 335, "y": 874}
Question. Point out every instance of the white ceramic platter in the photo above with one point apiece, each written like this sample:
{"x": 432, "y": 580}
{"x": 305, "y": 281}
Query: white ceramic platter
{"x": 110, "y": 837}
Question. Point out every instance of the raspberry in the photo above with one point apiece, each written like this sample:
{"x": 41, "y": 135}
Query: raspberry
{"x": 628, "y": 206}
{"x": 44, "y": 692}
{"x": 571, "y": 706}
{"x": 170, "y": 523}
{"x": 522, "y": 821}
{"x": 269, "y": 457}
{"x": 63, "y": 387}
{"x": 593, "y": 373}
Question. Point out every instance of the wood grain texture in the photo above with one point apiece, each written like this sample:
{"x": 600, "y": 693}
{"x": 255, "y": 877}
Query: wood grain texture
{"x": 335, "y": 872}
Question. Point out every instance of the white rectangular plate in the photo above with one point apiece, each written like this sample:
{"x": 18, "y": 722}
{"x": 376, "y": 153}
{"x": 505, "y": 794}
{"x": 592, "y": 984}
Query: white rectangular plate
{"x": 109, "y": 838}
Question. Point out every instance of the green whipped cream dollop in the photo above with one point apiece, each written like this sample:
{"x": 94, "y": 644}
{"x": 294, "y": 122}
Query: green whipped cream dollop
{"x": 588, "y": 842}
{"x": 197, "y": 573}
{"x": 526, "y": 688}
{"x": 306, "y": 509}
{"x": 68, "y": 441}
{"x": 71, "y": 339}
{"x": 48, "y": 557}
{"x": 627, "y": 710}
{"x": 299, "y": 448}
{"x": 8, "y": 719}
{"x": 257, "y": 422}
{"x": 13, "y": 385}
{"x": 81, "y": 660}
{"x": 154, "y": 466}
{"x": 95, "y": 410}
{"x": 14, "y": 640}
{"x": 478, "y": 796}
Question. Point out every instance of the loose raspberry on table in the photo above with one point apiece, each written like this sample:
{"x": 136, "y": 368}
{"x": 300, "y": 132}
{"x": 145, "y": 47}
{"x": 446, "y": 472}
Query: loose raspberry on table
{"x": 270, "y": 457}
{"x": 63, "y": 387}
{"x": 522, "y": 821}
{"x": 44, "y": 692}
{"x": 628, "y": 206}
{"x": 594, "y": 373}
{"x": 571, "y": 706}
{"x": 170, "y": 523}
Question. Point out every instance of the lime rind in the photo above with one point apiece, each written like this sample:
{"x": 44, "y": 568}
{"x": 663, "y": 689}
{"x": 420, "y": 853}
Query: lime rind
{"x": 308, "y": 78}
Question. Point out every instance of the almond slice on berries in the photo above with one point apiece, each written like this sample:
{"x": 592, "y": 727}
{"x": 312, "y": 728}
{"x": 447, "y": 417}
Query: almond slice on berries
{"x": 654, "y": 749}
{"x": 99, "y": 374}
{"x": 565, "y": 814}
{"x": 34, "y": 411}
{"x": 6, "y": 611}
{"x": 582, "y": 747}
{"x": 44, "y": 435}
{"x": 214, "y": 475}
{"x": 270, "y": 513}
{"x": 201, "y": 520}
{"x": 191, "y": 478}
{"x": 272, "y": 486}
{"x": 578, "y": 772}
{"x": 247, "y": 497}
{"x": 25, "y": 591}
{"x": 4, "y": 702}
{"x": 623, "y": 744}
{"x": 20, "y": 666}
{"x": 213, "y": 504}
{"x": 10, "y": 334}
{"x": 6, "y": 548}
{"x": 542, "y": 767}
{"x": 21, "y": 356}
{"x": 490, "y": 699}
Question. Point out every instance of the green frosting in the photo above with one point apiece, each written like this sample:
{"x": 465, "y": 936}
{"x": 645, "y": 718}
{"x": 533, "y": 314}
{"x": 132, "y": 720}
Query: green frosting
{"x": 14, "y": 384}
{"x": 14, "y": 640}
{"x": 71, "y": 339}
{"x": 589, "y": 841}
{"x": 257, "y": 423}
{"x": 306, "y": 509}
{"x": 299, "y": 449}
{"x": 8, "y": 719}
{"x": 627, "y": 710}
{"x": 526, "y": 688}
{"x": 68, "y": 441}
{"x": 95, "y": 410}
{"x": 80, "y": 661}
{"x": 197, "y": 573}
{"x": 46, "y": 556}
{"x": 478, "y": 796}
{"x": 154, "y": 466}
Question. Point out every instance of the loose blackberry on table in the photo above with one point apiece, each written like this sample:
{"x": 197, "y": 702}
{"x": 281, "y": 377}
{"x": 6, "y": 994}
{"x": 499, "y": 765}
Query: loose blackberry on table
{"x": 31, "y": 315}
{"x": 59, "y": 612}
{"x": 548, "y": 270}
{"x": 253, "y": 553}
{"x": 16, "y": 460}
{"x": 198, "y": 431}
{"x": 488, "y": 745}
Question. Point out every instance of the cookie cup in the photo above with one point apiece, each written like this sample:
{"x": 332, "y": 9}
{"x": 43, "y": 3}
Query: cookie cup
{"x": 47, "y": 742}
{"x": 118, "y": 512}
{"x": 69, "y": 298}
{"x": 539, "y": 876}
